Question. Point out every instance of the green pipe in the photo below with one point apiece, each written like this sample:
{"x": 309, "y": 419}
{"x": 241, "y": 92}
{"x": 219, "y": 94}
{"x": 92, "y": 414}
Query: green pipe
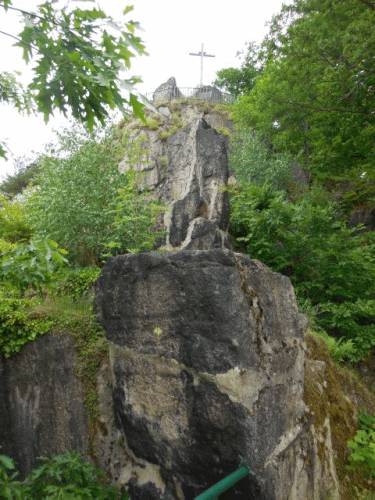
{"x": 224, "y": 484}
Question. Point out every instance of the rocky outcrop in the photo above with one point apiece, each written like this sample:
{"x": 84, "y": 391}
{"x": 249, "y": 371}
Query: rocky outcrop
{"x": 167, "y": 90}
{"x": 209, "y": 93}
{"x": 207, "y": 367}
{"x": 188, "y": 172}
{"x": 207, "y": 363}
{"x": 207, "y": 354}
{"x": 198, "y": 173}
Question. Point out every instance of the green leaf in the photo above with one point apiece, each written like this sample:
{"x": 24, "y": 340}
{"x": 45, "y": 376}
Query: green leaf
{"x": 127, "y": 9}
{"x": 137, "y": 107}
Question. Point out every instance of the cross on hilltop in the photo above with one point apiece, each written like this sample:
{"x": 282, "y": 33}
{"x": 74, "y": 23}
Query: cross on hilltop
{"x": 202, "y": 54}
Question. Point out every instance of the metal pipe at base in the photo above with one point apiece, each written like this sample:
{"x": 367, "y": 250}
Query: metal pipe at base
{"x": 224, "y": 484}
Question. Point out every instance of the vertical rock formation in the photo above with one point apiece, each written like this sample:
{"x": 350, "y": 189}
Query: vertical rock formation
{"x": 167, "y": 90}
{"x": 188, "y": 172}
{"x": 207, "y": 354}
{"x": 199, "y": 172}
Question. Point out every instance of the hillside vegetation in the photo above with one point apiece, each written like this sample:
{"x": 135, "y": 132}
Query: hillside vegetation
{"x": 306, "y": 104}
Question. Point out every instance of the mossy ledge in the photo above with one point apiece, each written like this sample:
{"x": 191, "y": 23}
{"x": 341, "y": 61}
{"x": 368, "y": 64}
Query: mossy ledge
{"x": 336, "y": 391}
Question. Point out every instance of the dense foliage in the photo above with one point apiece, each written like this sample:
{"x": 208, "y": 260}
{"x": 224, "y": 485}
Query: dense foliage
{"x": 77, "y": 56}
{"x": 84, "y": 204}
{"x": 239, "y": 81}
{"x": 315, "y": 96}
{"x": 13, "y": 224}
{"x": 32, "y": 264}
{"x": 331, "y": 267}
{"x": 253, "y": 160}
{"x": 60, "y": 477}
{"x": 311, "y": 105}
{"x": 17, "y": 324}
{"x": 363, "y": 446}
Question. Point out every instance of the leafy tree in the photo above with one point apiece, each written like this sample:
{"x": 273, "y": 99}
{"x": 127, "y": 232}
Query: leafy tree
{"x": 315, "y": 97}
{"x": 329, "y": 265}
{"x": 25, "y": 172}
{"x": 13, "y": 224}
{"x": 77, "y": 57}
{"x": 238, "y": 81}
{"x": 85, "y": 204}
{"x": 253, "y": 159}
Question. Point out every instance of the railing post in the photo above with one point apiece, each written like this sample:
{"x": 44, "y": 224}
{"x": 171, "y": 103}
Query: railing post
{"x": 224, "y": 484}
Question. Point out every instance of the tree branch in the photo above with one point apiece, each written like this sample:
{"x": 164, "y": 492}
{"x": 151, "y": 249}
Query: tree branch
{"x": 27, "y": 44}
{"x": 31, "y": 14}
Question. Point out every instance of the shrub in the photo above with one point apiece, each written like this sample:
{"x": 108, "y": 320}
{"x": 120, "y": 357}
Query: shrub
{"x": 253, "y": 159}
{"x": 60, "y": 477}
{"x": 32, "y": 264}
{"x": 363, "y": 446}
{"x": 328, "y": 264}
{"x": 81, "y": 197}
{"x": 13, "y": 224}
{"x": 76, "y": 282}
{"x": 135, "y": 214}
{"x": 17, "y": 325}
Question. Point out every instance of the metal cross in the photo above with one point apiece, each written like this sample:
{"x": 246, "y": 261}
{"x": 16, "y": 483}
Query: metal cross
{"x": 202, "y": 54}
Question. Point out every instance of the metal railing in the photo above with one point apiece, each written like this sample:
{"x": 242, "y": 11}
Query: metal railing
{"x": 207, "y": 93}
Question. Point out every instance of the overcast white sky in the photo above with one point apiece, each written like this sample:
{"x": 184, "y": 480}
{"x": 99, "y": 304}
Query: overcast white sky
{"x": 172, "y": 29}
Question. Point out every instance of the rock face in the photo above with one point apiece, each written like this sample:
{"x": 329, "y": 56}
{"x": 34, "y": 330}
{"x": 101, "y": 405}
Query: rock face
{"x": 199, "y": 171}
{"x": 209, "y": 93}
{"x": 207, "y": 354}
{"x": 207, "y": 363}
{"x": 365, "y": 216}
{"x": 167, "y": 90}
{"x": 41, "y": 402}
{"x": 190, "y": 182}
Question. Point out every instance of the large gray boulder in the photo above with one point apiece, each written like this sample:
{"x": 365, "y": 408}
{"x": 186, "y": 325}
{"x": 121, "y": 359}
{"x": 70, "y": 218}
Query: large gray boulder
{"x": 209, "y": 93}
{"x": 167, "y": 90}
{"x": 208, "y": 365}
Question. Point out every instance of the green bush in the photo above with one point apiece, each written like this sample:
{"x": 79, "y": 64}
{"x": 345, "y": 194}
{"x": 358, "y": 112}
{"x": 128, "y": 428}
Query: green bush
{"x": 76, "y": 283}
{"x": 17, "y": 325}
{"x": 32, "y": 264}
{"x": 14, "y": 226}
{"x": 81, "y": 197}
{"x": 61, "y": 477}
{"x": 253, "y": 159}
{"x": 328, "y": 264}
{"x": 363, "y": 445}
{"x": 135, "y": 214}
